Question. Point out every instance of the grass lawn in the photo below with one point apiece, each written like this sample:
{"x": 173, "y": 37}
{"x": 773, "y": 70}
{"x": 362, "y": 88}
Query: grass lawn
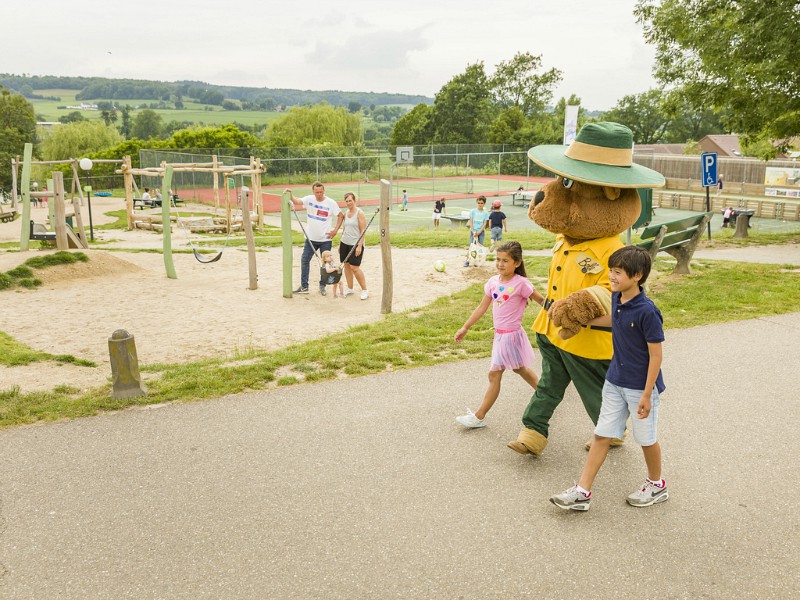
{"x": 49, "y": 110}
{"x": 716, "y": 292}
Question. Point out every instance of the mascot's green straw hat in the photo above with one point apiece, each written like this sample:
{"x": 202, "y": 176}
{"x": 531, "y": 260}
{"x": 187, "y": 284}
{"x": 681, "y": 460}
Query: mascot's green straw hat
{"x": 602, "y": 154}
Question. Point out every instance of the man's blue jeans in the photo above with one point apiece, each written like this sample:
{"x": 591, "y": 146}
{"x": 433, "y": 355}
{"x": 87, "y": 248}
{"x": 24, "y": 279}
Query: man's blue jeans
{"x": 308, "y": 253}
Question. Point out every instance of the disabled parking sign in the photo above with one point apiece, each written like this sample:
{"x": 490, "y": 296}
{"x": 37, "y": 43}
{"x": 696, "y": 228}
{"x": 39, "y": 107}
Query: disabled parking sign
{"x": 708, "y": 161}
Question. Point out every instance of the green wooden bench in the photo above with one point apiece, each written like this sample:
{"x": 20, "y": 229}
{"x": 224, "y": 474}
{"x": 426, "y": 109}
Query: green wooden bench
{"x": 678, "y": 238}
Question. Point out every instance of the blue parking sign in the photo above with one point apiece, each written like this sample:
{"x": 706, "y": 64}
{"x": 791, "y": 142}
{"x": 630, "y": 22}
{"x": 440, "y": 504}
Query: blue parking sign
{"x": 708, "y": 161}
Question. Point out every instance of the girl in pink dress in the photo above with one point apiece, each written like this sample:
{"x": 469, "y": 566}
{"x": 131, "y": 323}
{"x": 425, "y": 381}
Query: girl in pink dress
{"x": 509, "y": 293}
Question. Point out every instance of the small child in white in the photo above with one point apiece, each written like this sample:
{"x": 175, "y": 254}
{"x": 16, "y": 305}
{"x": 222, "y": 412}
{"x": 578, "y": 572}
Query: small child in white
{"x": 334, "y": 274}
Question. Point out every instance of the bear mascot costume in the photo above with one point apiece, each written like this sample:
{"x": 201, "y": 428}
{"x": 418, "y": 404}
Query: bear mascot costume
{"x": 589, "y": 204}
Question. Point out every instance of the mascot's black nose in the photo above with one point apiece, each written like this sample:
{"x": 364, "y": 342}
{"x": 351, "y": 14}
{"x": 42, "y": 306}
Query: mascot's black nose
{"x": 537, "y": 199}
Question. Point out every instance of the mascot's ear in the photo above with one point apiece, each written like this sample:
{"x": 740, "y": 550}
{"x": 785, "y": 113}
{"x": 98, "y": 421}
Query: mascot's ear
{"x": 612, "y": 193}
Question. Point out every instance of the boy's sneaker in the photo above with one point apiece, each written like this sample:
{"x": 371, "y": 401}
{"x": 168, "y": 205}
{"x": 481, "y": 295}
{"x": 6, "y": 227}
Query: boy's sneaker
{"x": 648, "y": 494}
{"x": 470, "y": 421}
{"x": 322, "y": 290}
{"x": 466, "y": 264}
{"x": 571, "y": 499}
{"x": 301, "y": 290}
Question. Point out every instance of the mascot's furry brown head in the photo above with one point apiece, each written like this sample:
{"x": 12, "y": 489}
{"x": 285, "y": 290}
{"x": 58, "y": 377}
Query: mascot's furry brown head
{"x": 595, "y": 193}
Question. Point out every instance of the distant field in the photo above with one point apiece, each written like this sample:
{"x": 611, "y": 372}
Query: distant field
{"x": 47, "y": 110}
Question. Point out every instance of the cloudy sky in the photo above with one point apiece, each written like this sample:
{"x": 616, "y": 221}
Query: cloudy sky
{"x": 410, "y": 46}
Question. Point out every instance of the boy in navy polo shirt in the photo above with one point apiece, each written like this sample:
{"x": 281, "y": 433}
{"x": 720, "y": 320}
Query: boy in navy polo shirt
{"x": 633, "y": 382}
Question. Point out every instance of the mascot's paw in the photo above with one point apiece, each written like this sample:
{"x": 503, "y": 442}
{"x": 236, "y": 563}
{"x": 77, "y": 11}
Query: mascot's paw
{"x": 614, "y": 442}
{"x": 577, "y": 309}
{"x": 529, "y": 442}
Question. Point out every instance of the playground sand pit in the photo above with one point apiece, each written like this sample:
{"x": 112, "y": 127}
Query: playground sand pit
{"x": 208, "y": 312}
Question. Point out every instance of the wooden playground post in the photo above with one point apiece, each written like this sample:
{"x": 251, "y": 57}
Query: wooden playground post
{"x": 127, "y": 177}
{"x": 257, "y": 193}
{"x": 251, "y": 244}
{"x": 14, "y": 177}
{"x": 25, "y": 186}
{"x": 386, "y": 247}
{"x": 166, "y": 184}
{"x": 214, "y": 164}
{"x": 286, "y": 244}
{"x": 229, "y": 182}
{"x": 59, "y": 221}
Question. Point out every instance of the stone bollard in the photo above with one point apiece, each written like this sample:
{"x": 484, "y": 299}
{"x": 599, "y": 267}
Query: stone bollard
{"x": 124, "y": 366}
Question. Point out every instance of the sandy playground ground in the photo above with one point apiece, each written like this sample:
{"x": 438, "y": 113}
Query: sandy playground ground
{"x": 207, "y": 312}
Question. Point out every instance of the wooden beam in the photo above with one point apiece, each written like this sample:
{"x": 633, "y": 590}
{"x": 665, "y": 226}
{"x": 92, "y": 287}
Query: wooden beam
{"x": 386, "y": 248}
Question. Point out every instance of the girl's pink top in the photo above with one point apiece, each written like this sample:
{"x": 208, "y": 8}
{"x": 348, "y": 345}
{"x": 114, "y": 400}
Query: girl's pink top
{"x": 509, "y": 300}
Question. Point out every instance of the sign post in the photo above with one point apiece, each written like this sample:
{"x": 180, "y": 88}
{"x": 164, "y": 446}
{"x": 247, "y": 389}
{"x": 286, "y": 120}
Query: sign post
{"x": 708, "y": 166}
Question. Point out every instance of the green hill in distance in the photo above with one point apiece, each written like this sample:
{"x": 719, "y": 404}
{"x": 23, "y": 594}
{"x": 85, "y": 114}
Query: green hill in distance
{"x": 101, "y": 88}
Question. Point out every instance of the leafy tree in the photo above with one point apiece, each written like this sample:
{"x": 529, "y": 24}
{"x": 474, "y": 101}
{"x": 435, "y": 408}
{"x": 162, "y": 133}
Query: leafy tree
{"x": 741, "y": 57}
{"x": 109, "y": 117}
{"x": 689, "y": 122}
{"x": 230, "y": 105}
{"x": 517, "y": 83}
{"x": 78, "y": 139}
{"x": 644, "y": 114}
{"x": 313, "y": 125}
{"x": 17, "y": 126}
{"x": 72, "y": 117}
{"x": 415, "y": 128}
{"x": 147, "y": 124}
{"x": 127, "y": 122}
{"x": 228, "y": 136}
{"x": 354, "y": 107}
{"x": 462, "y": 108}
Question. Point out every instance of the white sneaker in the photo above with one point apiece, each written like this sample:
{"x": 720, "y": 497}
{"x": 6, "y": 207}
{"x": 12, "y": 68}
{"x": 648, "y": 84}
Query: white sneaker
{"x": 470, "y": 421}
{"x": 364, "y": 294}
{"x": 347, "y": 291}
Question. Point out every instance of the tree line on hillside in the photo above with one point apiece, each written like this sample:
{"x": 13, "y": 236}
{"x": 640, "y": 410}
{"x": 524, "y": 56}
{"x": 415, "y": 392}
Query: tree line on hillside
{"x": 94, "y": 88}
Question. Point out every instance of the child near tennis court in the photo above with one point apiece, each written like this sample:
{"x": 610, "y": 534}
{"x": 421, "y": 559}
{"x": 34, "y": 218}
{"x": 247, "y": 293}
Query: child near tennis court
{"x": 633, "y": 382}
{"x": 508, "y": 293}
{"x": 334, "y": 275}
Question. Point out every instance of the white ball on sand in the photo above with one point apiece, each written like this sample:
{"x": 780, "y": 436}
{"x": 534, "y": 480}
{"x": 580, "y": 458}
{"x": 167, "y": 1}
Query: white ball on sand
{"x": 439, "y": 266}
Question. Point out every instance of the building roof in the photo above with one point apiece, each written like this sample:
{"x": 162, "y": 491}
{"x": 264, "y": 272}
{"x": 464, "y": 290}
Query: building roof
{"x": 660, "y": 148}
{"x": 724, "y": 145}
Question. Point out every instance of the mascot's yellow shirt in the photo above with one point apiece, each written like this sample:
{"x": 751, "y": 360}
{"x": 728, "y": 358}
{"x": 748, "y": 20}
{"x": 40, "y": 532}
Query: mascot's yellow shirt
{"x": 575, "y": 268}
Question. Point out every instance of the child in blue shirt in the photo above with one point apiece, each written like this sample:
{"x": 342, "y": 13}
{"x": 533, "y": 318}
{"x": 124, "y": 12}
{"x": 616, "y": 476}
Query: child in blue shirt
{"x": 633, "y": 382}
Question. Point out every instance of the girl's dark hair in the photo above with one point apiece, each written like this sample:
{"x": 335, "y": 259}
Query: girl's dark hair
{"x": 514, "y": 250}
{"x": 633, "y": 260}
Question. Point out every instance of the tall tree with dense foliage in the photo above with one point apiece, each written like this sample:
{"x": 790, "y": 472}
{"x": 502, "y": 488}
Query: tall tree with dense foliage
{"x": 79, "y": 139}
{"x": 17, "y": 126}
{"x": 644, "y": 114}
{"x": 518, "y": 83}
{"x": 462, "y": 109}
{"x": 315, "y": 125}
{"x": 741, "y": 57}
{"x": 147, "y": 124}
{"x": 415, "y": 128}
{"x": 228, "y": 136}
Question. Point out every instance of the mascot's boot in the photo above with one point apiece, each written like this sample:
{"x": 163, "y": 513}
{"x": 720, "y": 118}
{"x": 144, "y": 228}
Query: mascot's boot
{"x": 529, "y": 442}
{"x": 614, "y": 441}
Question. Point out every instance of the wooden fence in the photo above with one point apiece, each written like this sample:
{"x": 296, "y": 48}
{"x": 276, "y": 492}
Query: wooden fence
{"x": 764, "y": 208}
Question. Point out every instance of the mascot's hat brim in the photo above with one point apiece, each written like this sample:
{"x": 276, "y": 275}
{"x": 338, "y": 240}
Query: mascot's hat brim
{"x": 602, "y": 154}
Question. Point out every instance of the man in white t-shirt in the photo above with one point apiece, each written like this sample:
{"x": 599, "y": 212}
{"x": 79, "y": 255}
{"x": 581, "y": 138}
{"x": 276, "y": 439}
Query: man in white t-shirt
{"x": 321, "y": 214}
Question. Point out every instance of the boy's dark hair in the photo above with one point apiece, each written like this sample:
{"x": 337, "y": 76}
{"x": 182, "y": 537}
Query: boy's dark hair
{"x": 514, "y": 250}
{"x": 633, "y": 260}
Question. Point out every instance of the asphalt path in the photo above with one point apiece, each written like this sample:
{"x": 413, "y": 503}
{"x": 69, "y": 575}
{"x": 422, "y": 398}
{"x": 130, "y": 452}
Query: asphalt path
{"x": 367, "y": 488}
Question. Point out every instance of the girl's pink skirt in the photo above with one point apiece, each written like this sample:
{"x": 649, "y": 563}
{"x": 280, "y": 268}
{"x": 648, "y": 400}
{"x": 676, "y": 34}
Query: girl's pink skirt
{"x": 511, "y": 350}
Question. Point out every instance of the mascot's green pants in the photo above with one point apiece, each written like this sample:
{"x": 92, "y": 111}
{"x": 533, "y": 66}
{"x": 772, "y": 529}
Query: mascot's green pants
{"x": 559, "y": 368}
